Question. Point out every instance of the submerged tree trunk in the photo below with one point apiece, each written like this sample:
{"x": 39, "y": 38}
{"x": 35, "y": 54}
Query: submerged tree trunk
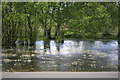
{"x": 46, "y": 45}
{"x": 119, "y": 34}
{"x": 47, "y": 34}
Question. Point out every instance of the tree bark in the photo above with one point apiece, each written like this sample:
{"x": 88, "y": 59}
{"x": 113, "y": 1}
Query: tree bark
{"x": 26, "y": 29}
{"x": 48, "y": 35}
{"x": 47, "y": 32}
{"x": 119, "y": 31}
{"x": 57, "y": 31}
{"x": 119, "y": 20}
{"x": 30, "y": 32}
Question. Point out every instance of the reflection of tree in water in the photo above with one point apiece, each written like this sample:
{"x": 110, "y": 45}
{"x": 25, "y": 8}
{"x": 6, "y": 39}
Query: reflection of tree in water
{"x": 46, "y": 45}
{"x": 88, "y": 44}
{"x": 58, "y": 61}
{"x": 49, "y": 62}
{"x": 85, "y": 59}
{"x": 119, "y": 54}
{"x": 19, "y": 60}
{"x": 92, "y": 61}
{"x": 105, "y": 41}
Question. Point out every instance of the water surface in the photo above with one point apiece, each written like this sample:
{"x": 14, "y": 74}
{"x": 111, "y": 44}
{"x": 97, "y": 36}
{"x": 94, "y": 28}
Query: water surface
{"x": 70, "y": 56}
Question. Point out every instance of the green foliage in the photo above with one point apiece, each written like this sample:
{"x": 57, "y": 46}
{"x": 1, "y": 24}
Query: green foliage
{"x": 90, "y": 19}
{"x": 28, "y": 21}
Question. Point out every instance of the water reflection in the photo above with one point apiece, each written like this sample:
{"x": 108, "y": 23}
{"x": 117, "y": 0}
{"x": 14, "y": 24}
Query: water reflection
{"x": 71, "y": 55}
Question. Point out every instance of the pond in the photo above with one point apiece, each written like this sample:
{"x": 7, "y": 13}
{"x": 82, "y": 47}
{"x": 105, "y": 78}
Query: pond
{"x": 69, "y": 56}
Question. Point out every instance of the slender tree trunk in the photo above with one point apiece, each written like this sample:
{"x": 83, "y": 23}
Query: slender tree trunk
{"x": 30, "y": 32}
{"x": 48, "y": 35}
{"x": 57, "y": 31}
{"x": 46, "y": 45}
{"x": 47, "y": 32}
{"x": 14, "y": 33}
{"x": 58, "y": 46}
{"x": 45, "y": 27}
{"x": 44, "y": 33}
{"x": 21, "y": 38}
{"x": 119, "y": 31}
{"x": 119, "y": 36}
{"x": 119, "y": 21}
{"x": 26, "y": 29}
{"x": 26, "y": 39}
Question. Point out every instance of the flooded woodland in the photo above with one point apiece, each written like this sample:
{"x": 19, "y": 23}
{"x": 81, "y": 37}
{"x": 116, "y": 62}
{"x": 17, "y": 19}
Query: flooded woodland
{"x": 60, "y": 36}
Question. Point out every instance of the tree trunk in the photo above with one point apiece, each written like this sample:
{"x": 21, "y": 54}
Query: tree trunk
{"x": 26, "y": 39}
{"x": 119, "y": 31}
{"x": 48, "y": 35}
{"x": 119, "y": 34}
{"x": 26, "y": 29}
{"x": 14, "y": 33}
{"x": 44, "y": 33}
{"x": 30, "y": 32}
{"x": 21, "y": 35}
{"x": 47, "y": 32}
{"x": 119, "y": 20}
{"x": 57, "y": 31}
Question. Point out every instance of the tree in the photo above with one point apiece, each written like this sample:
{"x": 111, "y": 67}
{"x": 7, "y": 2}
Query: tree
{"x": 28, "y": 21}
{"x": 119, "y": 20}
{"x": 88, "y": 19}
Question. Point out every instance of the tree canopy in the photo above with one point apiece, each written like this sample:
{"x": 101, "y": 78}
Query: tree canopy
{"x": 27, "y": 22}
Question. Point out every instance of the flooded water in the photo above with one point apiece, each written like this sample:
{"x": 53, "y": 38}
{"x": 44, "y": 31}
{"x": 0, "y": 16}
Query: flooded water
{"x": 69, "y": 56}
